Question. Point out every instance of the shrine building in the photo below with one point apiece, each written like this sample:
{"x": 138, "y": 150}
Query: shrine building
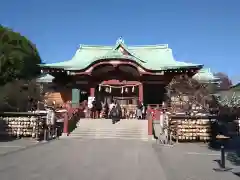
{"x": 121, "y": 72}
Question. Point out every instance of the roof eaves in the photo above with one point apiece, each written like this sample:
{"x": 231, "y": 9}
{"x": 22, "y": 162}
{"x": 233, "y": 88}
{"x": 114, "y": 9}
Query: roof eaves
{"x": 95, "y": 46}
{"x": 157, "y": 46}
{"x": 183, "y": 66}
{"x": 53, "y": 67}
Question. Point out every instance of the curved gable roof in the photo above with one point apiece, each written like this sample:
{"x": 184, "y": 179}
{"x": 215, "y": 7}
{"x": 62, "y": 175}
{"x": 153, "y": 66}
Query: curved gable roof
{"x": 205, "y": 75}
{"x": 156, "y": 57}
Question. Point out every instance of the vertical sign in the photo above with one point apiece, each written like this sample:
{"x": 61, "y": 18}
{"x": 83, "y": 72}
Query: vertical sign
{"x": 75, "y": 97}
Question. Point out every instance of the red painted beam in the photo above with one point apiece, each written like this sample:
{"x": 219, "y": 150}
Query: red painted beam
{"x": 140, "y": 92}
{"x": 117, "y": 82}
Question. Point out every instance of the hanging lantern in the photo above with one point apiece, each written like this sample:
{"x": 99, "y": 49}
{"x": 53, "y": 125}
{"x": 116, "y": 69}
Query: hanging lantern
{"x": 122, "y": 90}
{"x": 133, "y": 89}
{"x": 106, "y": 90}
{"x": 99, "y": 88}
{"x": 110, "y": 90}
{"x": 126, "y": 90}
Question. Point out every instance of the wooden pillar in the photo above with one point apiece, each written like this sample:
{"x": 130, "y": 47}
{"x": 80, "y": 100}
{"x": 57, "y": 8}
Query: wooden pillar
{"x": 75, "y": 97}
{"x": 92, "y": 92}
{"x": 140, "y": 92}
{"x": 150, "y": 126}
{"x": 150, "y": 121}
{"x": 65, "y": 124}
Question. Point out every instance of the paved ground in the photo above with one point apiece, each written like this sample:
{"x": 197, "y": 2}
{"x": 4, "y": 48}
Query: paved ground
{"x": 192, "y": 162}
{"x": 111, "y": 160}
{"x": 83, "y": 159}
{"x": 15, "y": 145}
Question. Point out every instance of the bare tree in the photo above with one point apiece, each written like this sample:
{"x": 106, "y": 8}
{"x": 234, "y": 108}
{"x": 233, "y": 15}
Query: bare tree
{"x": 188, "y": 93}
{"x": 224, "y": 81}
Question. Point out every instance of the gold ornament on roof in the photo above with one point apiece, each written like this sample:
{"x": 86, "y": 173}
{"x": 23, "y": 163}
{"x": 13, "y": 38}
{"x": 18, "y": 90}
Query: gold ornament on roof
{"x": 120, "y": 40}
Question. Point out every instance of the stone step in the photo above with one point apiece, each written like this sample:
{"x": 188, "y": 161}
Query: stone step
{"x": 102, "y": 132}
{"x": 109, "y": 129}
{"x": 108, "y": 137}
{"x": 104, "y": 129}
{"x": 123, "y": 131}
{"x": 108, "y": 133}
{"x": 100, "y": 136}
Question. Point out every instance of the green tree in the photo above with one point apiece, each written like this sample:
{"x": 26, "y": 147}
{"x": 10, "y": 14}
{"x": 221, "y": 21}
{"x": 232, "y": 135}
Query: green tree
{"x": 19, "y": 58}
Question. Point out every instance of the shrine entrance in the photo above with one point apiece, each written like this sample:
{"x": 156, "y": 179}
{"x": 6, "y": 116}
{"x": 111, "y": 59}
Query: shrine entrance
{"x": 121, "y": 84}
{"x": 125, "y": 94}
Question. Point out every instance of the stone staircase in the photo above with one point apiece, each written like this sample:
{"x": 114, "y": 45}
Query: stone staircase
{"x": 104, "y": 129}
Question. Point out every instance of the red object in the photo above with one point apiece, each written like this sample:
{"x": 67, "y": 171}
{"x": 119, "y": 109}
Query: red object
{"x": 92, "y": 92}
{"x": 68, "y": 116}
{"x": 150, "y": 125}
{"x": 157, "y": 114}
{"x": 140, "y": 92}
{"x": 150, "y": 120}
{"x": 65, "y": 125}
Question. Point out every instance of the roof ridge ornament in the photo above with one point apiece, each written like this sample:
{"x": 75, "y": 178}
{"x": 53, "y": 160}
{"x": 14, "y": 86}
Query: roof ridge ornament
{"x": 120, "y": 40}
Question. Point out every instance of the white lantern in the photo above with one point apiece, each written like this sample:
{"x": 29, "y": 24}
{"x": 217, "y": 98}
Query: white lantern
{"x": 106, "y": 90}
{"x": 133, "y": 89}
{"x": 122, "y": 90}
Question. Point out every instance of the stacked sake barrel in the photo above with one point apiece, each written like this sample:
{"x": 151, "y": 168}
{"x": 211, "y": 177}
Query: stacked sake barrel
{"x": 22, "y": 126}
{"x": 190, "y": 128}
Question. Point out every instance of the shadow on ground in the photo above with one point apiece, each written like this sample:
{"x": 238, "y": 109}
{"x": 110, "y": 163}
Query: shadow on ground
{"x": 7, "y": 138}
{"x": 226, "y": 126}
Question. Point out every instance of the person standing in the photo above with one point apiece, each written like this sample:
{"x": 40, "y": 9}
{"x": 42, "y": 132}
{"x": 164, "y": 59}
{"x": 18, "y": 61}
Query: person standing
{"x": 98, "y": 108}
{"x": 119, "y": 109}
{"x": 111, "y": 105}
{"x": 164, "y": 127}
{"x": 114, "y": 114}
{"x": 93, "y": 109}
{"x": 139, "y": 110}
{"x": 143, "y": 111}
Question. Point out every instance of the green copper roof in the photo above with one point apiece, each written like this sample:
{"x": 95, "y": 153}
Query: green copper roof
{"x": 155, "y": 57}
{"x": 45, "y": 78}
{"x": 205, "y": 75}
{"x": 236, "y": 87}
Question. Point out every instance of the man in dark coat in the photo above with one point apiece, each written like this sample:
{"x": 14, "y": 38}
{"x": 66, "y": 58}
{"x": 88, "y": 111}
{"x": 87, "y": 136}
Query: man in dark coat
{"x": 115, "y": 113}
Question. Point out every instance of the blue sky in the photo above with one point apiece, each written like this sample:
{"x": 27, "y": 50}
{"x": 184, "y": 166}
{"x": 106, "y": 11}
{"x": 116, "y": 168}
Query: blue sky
{"x": 206, "y": 31}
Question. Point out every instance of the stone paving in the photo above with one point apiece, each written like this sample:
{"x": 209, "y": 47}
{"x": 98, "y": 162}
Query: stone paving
{"x": 83, "y": 159}
{"x": 15, "y": 145}
{"x": 192, "y": 162}
{"x": 111, "y": 159}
